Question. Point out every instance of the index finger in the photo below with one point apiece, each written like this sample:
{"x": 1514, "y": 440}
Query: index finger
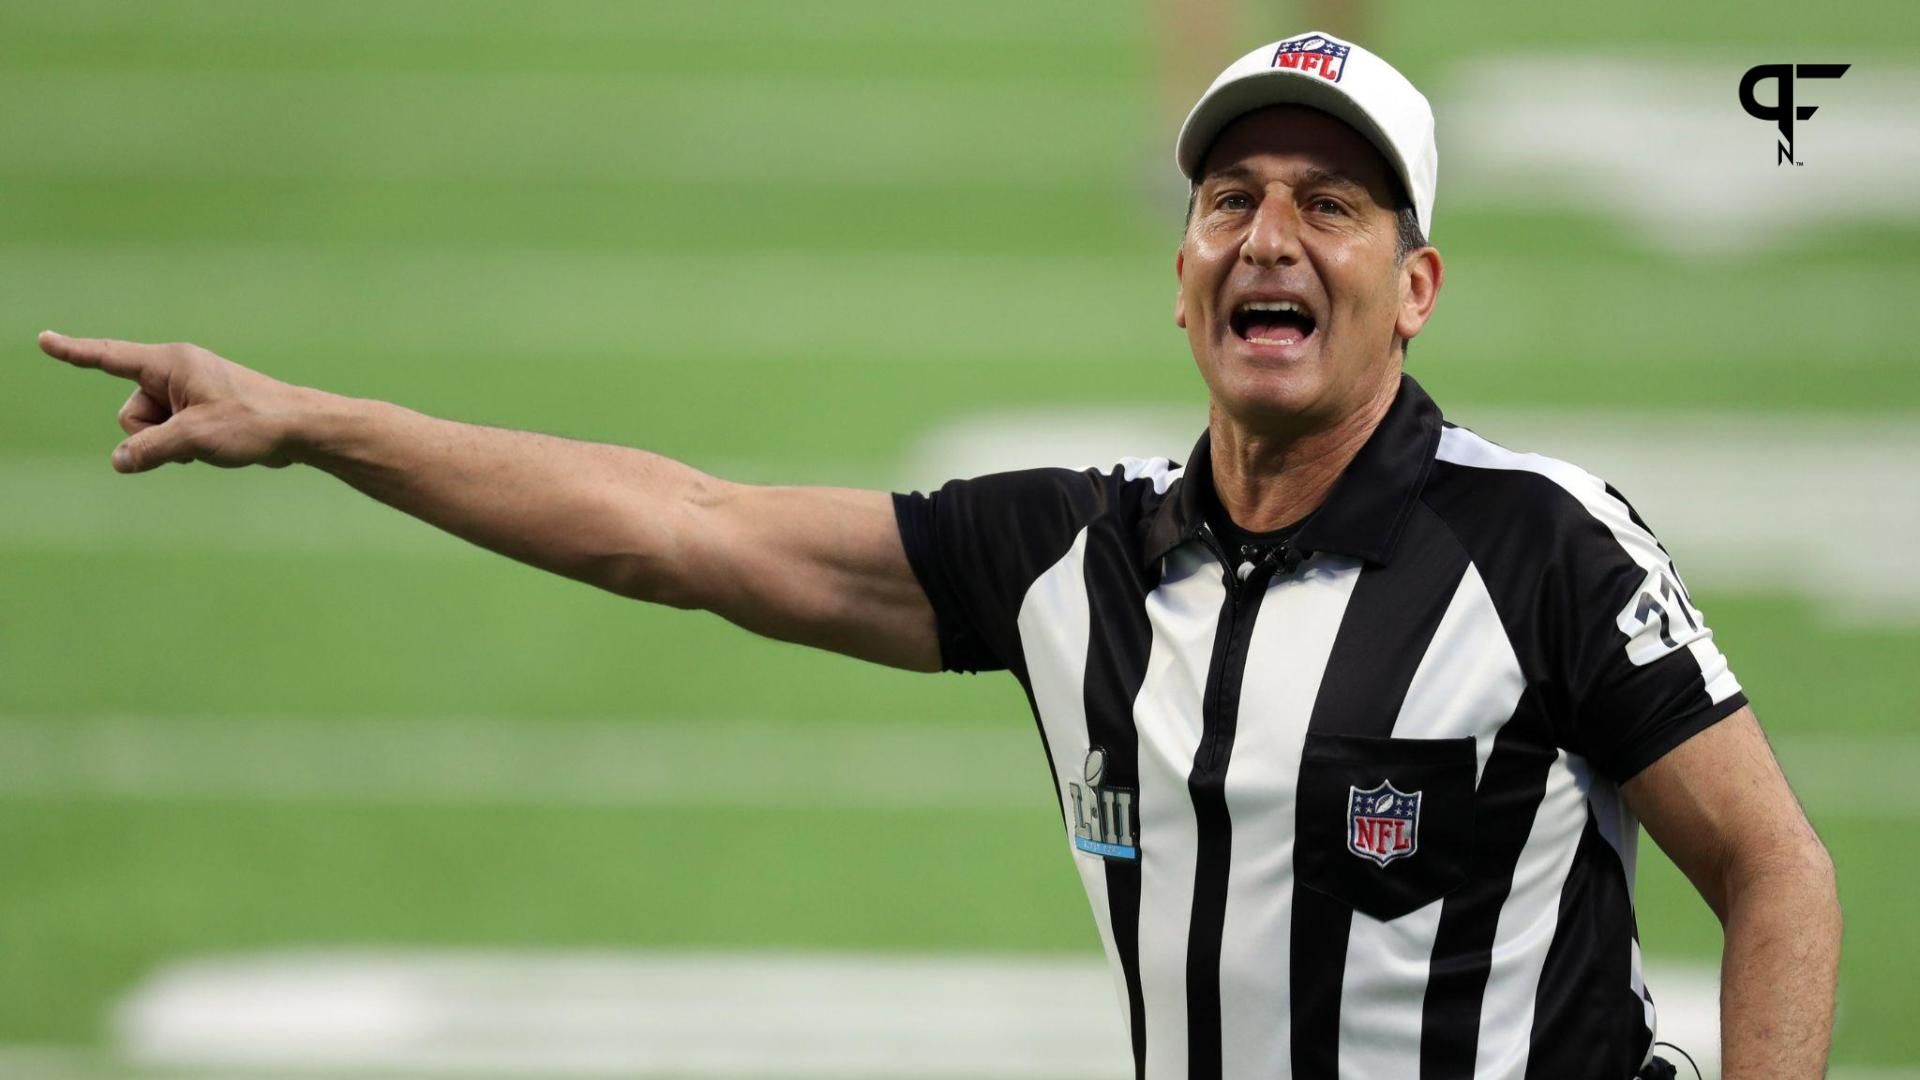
{"x": 127, "y": 359}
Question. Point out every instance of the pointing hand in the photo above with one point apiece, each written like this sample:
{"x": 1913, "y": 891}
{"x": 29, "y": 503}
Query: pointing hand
{"x": 190, "y": 405}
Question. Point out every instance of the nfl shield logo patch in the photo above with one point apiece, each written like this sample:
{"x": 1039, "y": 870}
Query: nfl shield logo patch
{"x": 1314, "y": 54}
{"x": 1383, "y": 822}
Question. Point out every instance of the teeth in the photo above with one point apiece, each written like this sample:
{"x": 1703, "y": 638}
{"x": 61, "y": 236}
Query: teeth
{"x": 1274, "y": 305}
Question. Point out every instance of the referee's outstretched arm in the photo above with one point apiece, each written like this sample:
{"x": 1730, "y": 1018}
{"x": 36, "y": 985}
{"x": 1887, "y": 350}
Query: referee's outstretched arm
{"x": 818, "y": 566}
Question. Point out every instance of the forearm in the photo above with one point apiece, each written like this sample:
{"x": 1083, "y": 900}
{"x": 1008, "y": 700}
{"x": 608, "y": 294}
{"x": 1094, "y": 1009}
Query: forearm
{"x": 819, "y": 566}
{"x": 606, "y": 515}
{"x": 1780, "y": 966}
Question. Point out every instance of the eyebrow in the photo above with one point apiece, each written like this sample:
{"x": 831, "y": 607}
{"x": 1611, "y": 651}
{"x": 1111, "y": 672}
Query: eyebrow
{"x": 1314, "y": 176}
{"x": 1311, "y": 176}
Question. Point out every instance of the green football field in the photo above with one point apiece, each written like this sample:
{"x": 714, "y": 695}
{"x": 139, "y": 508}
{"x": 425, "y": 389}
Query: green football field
{"x": 782, "y": 242}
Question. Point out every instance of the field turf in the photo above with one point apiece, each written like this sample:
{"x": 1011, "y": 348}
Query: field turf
{"x": 776, "y": 240}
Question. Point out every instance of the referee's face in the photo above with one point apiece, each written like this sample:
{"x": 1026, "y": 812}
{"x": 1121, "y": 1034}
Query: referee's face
{"x": 1293, "y": 206}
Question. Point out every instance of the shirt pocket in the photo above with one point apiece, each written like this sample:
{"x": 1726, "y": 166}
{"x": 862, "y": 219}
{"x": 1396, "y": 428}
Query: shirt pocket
{"x": 1384, "y": 825}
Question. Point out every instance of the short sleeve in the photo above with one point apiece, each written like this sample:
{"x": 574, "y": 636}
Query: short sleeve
{"x": 977, "y": 545}
{"x": 1637, "y": 658}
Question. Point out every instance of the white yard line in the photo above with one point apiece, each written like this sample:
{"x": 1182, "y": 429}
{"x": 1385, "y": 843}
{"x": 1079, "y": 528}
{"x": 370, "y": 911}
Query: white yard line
{"x": 1814, "y": 505}
{"x": 491, "y": 762}
{"x": 80, "y": 1063}
{"x": 632, "y": 1014}
{"x": 1571, "y": 130}
{"x": 1822, "y": 507}
{"x": 476, "y": 761}
{"x": 666, "y": 1014}
{"x": 353, "y": 1014}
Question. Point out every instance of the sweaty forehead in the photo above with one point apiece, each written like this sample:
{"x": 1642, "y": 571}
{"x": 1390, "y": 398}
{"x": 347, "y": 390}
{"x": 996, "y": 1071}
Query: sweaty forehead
{"x": 1297, "y": 142}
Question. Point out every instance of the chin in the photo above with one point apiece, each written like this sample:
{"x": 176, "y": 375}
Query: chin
{"x": 1306, "y": 389}
{"x": 1270, "y": 398}
{"x": 1254, "y": 385}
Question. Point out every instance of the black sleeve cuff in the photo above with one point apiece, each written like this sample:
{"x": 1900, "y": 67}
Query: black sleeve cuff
{"x": 960, "y": 648}
{"x": 1657, "y": 741}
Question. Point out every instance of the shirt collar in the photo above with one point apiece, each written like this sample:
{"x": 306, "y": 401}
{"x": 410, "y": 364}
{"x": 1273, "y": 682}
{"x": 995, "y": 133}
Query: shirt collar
{"x": 1365, "y": 512}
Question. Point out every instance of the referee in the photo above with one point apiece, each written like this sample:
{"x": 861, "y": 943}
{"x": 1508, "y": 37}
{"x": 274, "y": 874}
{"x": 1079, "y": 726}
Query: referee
{"x": 1353, "y": 715}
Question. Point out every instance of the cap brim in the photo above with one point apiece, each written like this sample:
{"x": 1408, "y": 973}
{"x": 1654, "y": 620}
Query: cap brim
{"x": 1277, "y": 87}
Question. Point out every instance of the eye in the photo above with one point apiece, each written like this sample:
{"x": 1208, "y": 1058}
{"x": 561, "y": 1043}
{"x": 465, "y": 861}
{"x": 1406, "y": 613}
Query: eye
{"x": 1233, "y": 200}
{"x": 1323, "y": 202}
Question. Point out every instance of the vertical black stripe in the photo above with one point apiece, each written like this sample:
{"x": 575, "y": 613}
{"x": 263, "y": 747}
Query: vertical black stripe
{"x": 1643, "y": 1031}
{"x": 1206, "y": 785}
{"x": 1505, "y": 805}
{"x": 1046, "y": 746}
{"x": 1389, "y": 623}
{"x": 1588, "y": 1024}
{"x": 1118, "y": 642}
{"x": 1514, "y": 783}
{"x": 1479, "y": 507}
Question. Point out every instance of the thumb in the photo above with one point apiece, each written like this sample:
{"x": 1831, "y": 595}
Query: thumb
{"x": 153, "y": 447}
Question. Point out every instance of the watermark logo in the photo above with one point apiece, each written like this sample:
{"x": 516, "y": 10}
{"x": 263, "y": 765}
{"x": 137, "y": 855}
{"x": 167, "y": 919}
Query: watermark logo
{"x": 1782, "y": 112}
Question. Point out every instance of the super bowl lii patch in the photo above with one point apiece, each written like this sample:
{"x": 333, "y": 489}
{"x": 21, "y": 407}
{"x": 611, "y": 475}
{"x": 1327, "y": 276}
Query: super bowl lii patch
{"x": 1103, "y": 819}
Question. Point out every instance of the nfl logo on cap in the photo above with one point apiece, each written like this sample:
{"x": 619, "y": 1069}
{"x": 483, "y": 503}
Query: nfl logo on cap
{"x": 1313, "y": 54}
{"x": 1340, "y": 78}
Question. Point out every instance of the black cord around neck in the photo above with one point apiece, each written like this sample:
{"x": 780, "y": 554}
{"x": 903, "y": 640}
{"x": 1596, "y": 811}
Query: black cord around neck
{"x": 1684, "y": 1054}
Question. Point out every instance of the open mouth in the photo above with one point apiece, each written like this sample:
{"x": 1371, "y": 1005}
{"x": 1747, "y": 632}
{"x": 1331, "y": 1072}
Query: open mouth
{"x": 1272, "y": 322}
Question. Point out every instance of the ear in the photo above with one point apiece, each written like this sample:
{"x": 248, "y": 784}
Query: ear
{"x": 1421, "y": 276}
{"x": 1180, "y": 293}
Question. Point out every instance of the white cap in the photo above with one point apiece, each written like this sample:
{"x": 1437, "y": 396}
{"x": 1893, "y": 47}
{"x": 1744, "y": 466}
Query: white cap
{"x": 1339, "y": 78}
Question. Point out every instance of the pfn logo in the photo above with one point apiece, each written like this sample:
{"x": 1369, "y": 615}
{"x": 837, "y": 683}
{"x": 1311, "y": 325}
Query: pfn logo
{"x": 1782, "y": 111}
{"x": 1313, "y": 55}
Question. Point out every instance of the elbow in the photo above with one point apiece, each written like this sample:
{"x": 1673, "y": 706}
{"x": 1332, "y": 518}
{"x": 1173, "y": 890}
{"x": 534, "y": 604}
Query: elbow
{"x": 1817, "y": 871}
{"x": 639, "y": 577}
{"x": 1819, "y": 885}
{"x": 1797, "y": 874}
{"x": 1826, "y": 881}
{"x": 652, "y": 556}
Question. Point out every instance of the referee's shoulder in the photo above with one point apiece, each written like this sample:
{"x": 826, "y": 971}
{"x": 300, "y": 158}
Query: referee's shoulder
{"x": 1127, "y": 491}
{"x": 1138, "y": 477}
{"x": 1520, "y": 504}
{"x": 1114, "y": 476}
{"x": 1054, "y": 499}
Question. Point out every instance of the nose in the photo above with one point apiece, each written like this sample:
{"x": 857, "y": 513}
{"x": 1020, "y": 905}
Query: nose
{"x": 1273, "y": 237}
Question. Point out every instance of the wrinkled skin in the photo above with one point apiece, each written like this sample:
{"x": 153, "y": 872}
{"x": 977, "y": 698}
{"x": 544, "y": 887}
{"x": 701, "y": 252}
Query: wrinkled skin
{"x": 1294, "y": 201}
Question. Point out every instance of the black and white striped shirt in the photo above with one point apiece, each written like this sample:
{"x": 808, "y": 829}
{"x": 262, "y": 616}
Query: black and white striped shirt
{"x": 1351, "y": 809}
